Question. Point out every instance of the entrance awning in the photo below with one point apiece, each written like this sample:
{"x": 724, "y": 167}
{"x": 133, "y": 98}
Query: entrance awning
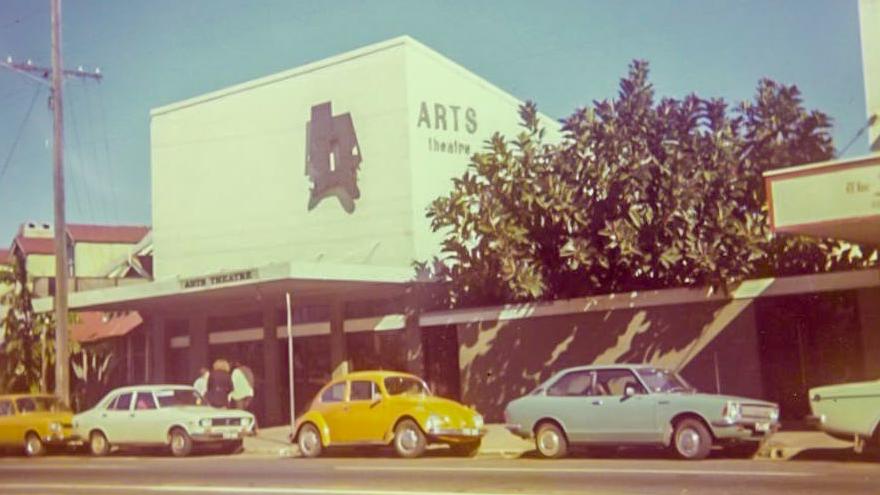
{"x": 837, "y": 199}
{"x": 306, "y": 281}
{"x": 91, "y": 326}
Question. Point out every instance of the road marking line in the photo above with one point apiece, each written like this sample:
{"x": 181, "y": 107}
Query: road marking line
{"x": 67, "y": 467}
{"x": 230, "y": 489}
{"x": 692, "y": 472}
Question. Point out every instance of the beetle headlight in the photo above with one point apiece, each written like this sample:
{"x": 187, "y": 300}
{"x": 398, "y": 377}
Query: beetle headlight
{"x": 435, "y": 422}
{"x": 478, "y": 420}
{"x": 55, "y": 427}
{"x": 205, "y": 422}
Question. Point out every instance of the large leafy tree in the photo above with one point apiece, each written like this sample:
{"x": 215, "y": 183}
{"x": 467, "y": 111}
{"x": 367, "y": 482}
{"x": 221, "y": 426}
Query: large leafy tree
{"x": 638, "y": 194}
{"x": 27, "y": 353}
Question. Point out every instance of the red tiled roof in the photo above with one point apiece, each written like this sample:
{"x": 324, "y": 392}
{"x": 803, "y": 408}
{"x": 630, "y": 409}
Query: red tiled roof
{"x": 94, "y": 325}
{"x": 123, "y": 234}
{"x": 36, "y": 245}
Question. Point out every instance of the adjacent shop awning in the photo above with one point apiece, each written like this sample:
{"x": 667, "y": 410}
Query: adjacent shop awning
{"x": 91, "y": 326}
{"x": 836, "y": 199}
{"x": 306, "y": 281}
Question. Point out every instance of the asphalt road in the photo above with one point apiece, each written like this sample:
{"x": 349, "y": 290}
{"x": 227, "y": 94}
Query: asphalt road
{"x": 435, "y": 475}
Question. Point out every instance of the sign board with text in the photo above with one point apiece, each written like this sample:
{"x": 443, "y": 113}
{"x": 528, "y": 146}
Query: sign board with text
{"x": 839, "y": 199}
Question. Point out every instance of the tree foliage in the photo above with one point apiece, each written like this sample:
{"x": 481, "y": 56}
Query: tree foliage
{"x": 638, "y": 194}
{"x": 27, "y": 354}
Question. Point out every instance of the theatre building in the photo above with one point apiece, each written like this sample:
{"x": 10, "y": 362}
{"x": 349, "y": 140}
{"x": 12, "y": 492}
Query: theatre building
{"x": 314, "y": 182}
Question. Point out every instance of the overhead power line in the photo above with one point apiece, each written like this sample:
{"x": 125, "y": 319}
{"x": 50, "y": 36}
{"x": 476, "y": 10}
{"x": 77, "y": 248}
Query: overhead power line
{"x": 19, "y": 134}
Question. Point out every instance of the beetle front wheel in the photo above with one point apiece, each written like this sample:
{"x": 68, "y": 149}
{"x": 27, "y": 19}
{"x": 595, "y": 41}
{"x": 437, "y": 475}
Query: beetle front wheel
{"x": 409, "y": 441}
{"x": 33, "y": 445}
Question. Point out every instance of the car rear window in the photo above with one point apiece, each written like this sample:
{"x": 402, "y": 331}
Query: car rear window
{"x": 39, "y": 404}
{"x": 336, "y": 393}
{"x": 575, "y": 383}
{"x": 362, "y": 390}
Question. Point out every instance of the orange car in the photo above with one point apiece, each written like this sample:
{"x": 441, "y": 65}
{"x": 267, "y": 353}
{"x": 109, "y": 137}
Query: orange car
{"x": 381, "y": 408}
{"x": 32, "y": 422}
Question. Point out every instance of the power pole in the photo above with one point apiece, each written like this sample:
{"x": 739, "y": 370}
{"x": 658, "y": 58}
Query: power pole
{"x": 56, "y": 73}
{"x": 62, "y": 350}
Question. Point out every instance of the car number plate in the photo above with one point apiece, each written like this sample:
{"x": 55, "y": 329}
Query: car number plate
{"x": 762, "y": 426}
{"x": 230, "y": 436}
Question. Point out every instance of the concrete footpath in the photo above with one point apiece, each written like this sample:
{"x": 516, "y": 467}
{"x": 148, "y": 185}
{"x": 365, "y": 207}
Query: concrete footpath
{"x": 498, "y": 441}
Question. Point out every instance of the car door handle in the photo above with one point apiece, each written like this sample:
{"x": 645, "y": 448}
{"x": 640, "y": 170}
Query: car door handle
{"x": 597, "y": 402}
{"x": 663, "y": 402}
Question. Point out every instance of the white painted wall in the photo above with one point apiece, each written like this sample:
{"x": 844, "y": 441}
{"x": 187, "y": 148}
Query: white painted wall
{"x": 441, "y": 90}
{"x": 228, "y": 168}
{"x": 91, "y": 258}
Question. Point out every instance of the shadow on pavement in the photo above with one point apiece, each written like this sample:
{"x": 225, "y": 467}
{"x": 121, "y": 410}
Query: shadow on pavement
{"x": 636, "y": 453}
{"x": 845, "y": 454}
{"x": 381, "y": 453}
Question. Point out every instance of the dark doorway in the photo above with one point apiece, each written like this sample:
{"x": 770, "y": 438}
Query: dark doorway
{"x": 442, "y": 372}
{"x": 807, "y": 341}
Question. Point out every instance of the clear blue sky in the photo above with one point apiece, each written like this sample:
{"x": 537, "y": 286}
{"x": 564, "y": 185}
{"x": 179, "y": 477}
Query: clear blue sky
{"x": 562, "y": 54}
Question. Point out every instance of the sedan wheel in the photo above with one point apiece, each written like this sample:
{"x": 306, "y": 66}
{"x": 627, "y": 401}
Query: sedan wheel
{"x": 33, "y": 445}
{"x": 692, "y": 440}
{"x": 409, "y": 441}
{"x": 309, "y": 441}
{"x": 181, "y": 443}
{"x": 98, "y": 444}
{"x": 550, "y": 441}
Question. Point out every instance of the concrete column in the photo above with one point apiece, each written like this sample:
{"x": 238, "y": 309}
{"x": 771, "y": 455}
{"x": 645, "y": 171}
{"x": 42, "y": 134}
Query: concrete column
{"x": 158, "y": 348}
{"x": 415, "y": 356}
{"x": 338, "y": 353}
{"x": 271, "y": 393}
{"x": 869, "y": 319}
{"x": 198, "y": 344}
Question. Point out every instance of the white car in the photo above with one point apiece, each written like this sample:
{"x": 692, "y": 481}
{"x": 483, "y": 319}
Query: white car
{"x": 850, "y": 411}
{"x": 174, "y": 416}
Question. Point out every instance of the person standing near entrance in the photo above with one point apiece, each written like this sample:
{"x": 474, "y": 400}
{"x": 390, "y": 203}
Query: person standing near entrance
{"x": 242, "y": 387}
{"x": 219, "y": 384}
{"x": 201, "y": 383}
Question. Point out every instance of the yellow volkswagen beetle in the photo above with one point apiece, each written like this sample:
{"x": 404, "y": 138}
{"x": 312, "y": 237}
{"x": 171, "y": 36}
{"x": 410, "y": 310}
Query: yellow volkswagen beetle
{"x": 34, "y": 421}
{"x": 382, "y": 408}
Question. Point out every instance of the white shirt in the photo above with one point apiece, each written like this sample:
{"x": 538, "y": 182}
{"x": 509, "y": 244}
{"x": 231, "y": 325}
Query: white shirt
{"x": 241, "y": 388}
{"x": 201, "y": 384}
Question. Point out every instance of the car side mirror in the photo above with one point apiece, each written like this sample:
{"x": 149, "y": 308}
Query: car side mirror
{"x": 629, "y": 391}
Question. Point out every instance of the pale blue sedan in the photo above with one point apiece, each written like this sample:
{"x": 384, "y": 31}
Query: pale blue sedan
{"x": 636, "y": 405}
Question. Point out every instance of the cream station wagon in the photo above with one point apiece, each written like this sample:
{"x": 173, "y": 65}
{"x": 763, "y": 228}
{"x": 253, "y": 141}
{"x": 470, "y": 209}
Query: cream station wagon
{"x": 174, "y": 416}
{"x": 849, "y": 411}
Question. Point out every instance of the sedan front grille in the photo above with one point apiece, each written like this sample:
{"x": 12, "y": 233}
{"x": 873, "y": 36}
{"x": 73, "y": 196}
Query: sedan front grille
{"x": 758, "y": 412}
{"x": 225, "y": 421}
